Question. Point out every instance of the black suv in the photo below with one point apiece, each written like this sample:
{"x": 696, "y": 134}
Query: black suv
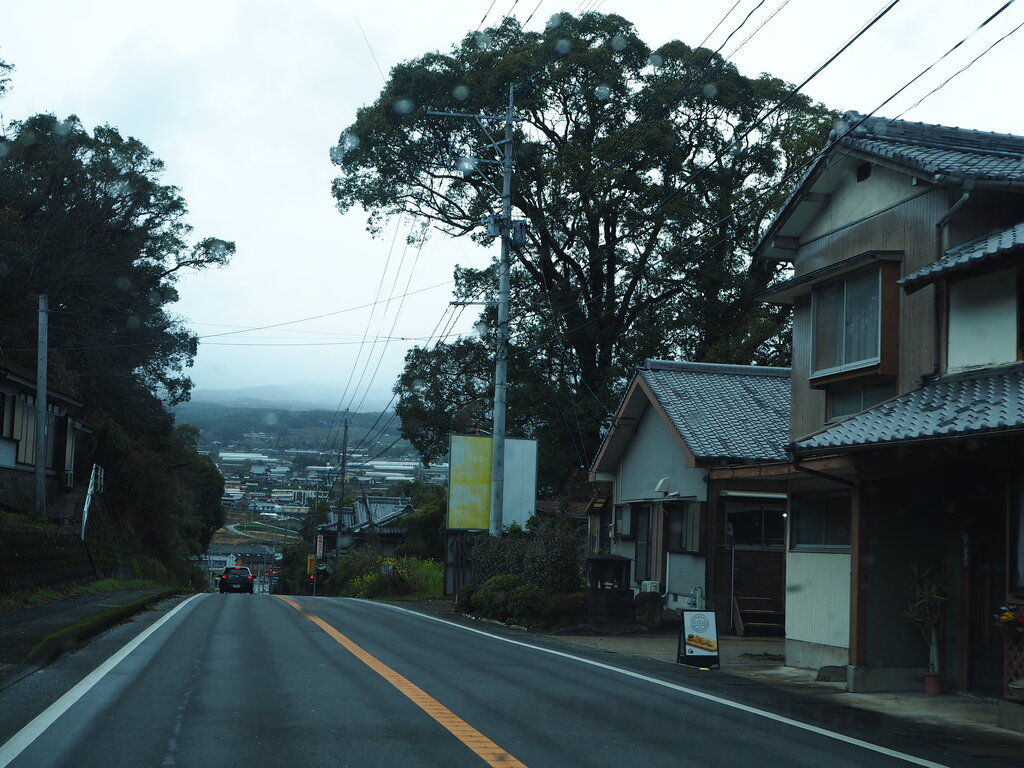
{"x": 236, "y": 579}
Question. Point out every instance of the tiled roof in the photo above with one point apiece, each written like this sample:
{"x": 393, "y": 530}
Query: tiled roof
{"x": 724, "y": 412}
{"x": 967, "y": 256}
{"x": 936, "y": 150}
{"x": 383, "y": 509}
{"x": 970, "y": 403}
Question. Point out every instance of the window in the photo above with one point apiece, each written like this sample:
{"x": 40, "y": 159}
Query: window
{"x": 642, "y": 529}
{"x": 820, "y": 522}
{"x": 623, "y": 521}
{"x": 845, "y": 400}
{"x": 682, "y": 526}
{"x": 847, "y": 323}
{"x": 755, "y": 524}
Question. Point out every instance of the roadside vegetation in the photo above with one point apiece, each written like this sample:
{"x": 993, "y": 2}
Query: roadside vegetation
{"x": 40, "y": 596}
{"x": 87, "y": 220}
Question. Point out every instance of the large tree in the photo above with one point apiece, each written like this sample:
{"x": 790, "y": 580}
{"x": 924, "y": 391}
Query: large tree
{"x": 86, "y": 220}
{"x": 644, "y": 176}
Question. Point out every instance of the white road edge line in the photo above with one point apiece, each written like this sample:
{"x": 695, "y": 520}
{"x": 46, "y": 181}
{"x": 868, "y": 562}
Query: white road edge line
{"x": 682, "y": 689}
{"x": 20, "y": 741}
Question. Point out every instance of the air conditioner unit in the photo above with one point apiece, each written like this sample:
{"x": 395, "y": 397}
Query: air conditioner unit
{"x": 650, "y": 586}
{"x": 67, "y": 479}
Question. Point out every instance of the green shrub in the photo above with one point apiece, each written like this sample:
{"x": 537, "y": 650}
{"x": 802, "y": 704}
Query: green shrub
{"x": 565, "y": 609}
{"x": 464, "y": 599}
{"x": 491, "y": 597}
{"x": 396, "y": 577}
{"x": 526, "y": 604}
{"x": 551, "y": 561}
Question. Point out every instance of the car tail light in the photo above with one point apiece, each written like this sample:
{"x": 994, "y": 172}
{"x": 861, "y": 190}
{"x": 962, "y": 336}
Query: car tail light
{"x": 223, "y": 575}
{"x": 249, "y": 577}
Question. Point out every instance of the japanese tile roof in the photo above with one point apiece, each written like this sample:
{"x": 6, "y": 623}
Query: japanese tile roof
{"x": 936, "y": 150}
{"x": 982, "y": 250}
{"x": 970, "y": 403}
{"x": 724, "y": 412}
{"x": 937, "y": 154}
{"x": 383, "y": 510}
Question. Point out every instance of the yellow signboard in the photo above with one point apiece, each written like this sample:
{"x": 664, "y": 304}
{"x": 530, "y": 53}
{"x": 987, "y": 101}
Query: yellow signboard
{"x": 310, "y": 564}
{"x": 469, "y": 485}
{"x": 469, "y": 482}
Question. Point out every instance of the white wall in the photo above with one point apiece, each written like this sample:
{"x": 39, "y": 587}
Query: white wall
{"x": 818, "y": 598}
{"x": 655, "y": 453}
{"x": 983, "y": 320}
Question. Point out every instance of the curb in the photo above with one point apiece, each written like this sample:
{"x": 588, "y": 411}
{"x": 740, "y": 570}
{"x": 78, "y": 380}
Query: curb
{"x": 55, "y": 645}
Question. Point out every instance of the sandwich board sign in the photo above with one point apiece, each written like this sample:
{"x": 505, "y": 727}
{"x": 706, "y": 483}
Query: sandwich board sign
{"x": 698, "y": 639}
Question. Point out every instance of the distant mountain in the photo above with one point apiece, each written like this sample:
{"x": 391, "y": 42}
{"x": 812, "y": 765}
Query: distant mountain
{"x": 266, "y": 423}
{"x": 297, "y": 397}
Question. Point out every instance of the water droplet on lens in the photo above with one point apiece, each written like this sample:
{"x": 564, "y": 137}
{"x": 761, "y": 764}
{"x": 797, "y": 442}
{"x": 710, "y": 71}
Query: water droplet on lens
{"x": 555, "y": 20}
{"x": 710, "y": 91}
{"x": 602, "y": 92}
{"x": 656, "y": 59}
{"x": 619, "y": 43}
{"x": 563, "y": 46}
{"x": 460, "y": 92}
{"x": 483, "y": 41}
{"x": 404, "y": 106}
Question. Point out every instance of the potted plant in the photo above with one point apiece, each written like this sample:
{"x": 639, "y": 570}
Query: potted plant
{"x": 1010, "y": 619}
{"x": 926, "y": 608}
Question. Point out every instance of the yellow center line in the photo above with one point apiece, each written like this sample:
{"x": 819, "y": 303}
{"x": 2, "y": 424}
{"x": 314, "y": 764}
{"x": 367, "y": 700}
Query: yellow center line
{"x": 488, "y": 751}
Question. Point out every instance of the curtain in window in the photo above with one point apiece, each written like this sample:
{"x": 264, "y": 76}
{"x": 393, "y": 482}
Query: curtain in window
{"x": 862, "y": 319}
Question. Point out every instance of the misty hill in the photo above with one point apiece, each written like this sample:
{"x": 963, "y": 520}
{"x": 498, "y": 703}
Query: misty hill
{"x": 267, "y": 424}
{"x": 294, "y": 397}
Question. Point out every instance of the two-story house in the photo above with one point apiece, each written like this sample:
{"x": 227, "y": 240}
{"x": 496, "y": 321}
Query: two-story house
{"x": 907, "y": 400}
{"x": 697, "y": 542}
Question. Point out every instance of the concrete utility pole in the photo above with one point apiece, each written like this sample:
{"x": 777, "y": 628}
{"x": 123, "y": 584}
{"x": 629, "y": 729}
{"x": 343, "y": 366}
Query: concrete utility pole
{"x": 503, "y": 224}
{"x": 341, "y": 501}
{"x": 501, "y": 354}
{"x": 41, "y": 376}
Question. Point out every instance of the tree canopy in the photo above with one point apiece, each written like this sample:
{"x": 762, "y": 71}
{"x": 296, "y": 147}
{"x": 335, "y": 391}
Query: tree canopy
{"x": 86, "y": 220}
{"x": 644, "y": 176}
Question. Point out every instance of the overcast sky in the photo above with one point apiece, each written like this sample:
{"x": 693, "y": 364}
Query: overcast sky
{"x": 243, "y": 99}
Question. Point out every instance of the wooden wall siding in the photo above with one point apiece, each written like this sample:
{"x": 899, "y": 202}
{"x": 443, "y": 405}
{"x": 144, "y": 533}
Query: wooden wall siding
{"x": 984, "y": 212}
{"x": 807, "y": 407}
{"x": 818, "y": 602}
{"x": 910, "y": 228}
{"x": 654, "y": 453}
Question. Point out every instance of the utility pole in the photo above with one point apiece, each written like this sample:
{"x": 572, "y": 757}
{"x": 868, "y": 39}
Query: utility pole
{"x": 501, "y": 354}
{"x": 502, "y": 225}
{"x": 341, "y": 501}
{"x": 41, "y": 376}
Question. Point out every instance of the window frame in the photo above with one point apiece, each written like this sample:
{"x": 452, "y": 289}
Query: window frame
{"x": 691, "y": 527}
{"x": 795, "y": 513}
{"x": 885, "y": 362}
{"x": 843, "y": 364}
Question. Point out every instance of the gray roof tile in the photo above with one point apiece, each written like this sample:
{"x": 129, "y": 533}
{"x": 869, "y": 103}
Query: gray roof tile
{"x": 968, "y": 255}
{"x": 724, "y": 412}
{"x": 937, "y": 149}
{"x": 971, "y": 403}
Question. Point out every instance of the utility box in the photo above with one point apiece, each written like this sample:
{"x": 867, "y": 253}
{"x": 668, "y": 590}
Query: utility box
{"x": 609, "y": 596}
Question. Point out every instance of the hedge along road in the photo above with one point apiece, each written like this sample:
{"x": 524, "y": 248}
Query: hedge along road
{"x": 255, "y": 680}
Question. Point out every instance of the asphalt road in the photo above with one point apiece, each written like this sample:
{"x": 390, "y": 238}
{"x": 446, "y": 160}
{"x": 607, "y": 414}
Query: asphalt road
{"x": 240, "y": 680}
